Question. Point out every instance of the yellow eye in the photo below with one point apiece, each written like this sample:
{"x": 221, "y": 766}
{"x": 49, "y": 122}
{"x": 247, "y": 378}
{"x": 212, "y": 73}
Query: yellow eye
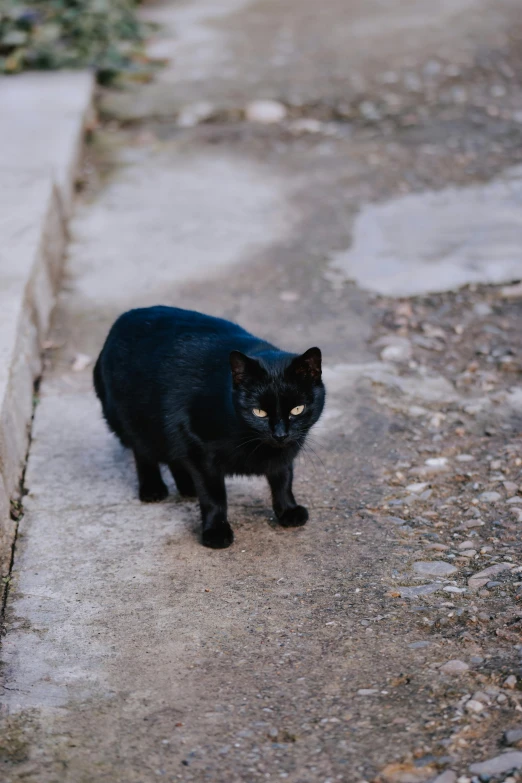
{"x": 259, "y": 413}
{"x": 297, "y": 410}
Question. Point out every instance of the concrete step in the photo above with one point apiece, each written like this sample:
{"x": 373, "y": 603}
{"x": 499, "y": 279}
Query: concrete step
{"x": 43, "y": 117}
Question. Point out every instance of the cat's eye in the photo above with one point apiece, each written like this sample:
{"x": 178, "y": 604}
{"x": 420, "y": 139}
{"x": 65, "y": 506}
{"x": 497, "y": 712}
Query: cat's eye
{"x": 259, "y": 413}
{"x": 297, "y": 410}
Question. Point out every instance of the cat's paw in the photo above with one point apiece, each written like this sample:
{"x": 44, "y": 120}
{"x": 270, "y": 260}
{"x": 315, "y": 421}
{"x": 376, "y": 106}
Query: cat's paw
{"x": 218, "y": 537}
{"x": 294, "y": 517}
{"x": 153, "y": 493}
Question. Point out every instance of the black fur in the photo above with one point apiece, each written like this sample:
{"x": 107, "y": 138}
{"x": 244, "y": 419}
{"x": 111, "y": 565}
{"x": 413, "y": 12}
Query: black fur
{"x": 179, "y": 388}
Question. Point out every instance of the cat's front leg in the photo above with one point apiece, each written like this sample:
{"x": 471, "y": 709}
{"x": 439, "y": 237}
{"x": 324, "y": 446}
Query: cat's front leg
{"x": 212, "y": 495}
{"x": 288, "y": 513}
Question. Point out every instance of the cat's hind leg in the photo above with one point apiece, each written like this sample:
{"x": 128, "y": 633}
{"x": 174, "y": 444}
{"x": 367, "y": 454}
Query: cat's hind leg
{"x": 183, "y": 479}
{"x": 151, "y": 486}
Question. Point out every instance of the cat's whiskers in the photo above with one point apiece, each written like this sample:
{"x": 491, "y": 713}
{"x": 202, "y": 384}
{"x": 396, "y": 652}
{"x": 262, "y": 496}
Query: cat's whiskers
{"x": 309, "y": 452}
{"x": 316, "y": 455}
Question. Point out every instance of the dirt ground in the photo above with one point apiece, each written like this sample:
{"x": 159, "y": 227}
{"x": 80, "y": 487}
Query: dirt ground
{"x": 382, "y": 642}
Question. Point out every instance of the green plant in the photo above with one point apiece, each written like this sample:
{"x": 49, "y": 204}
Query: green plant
{"x": 105, "y": 35}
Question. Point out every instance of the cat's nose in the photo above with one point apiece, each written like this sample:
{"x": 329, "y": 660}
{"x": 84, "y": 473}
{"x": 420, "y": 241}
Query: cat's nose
{"x": 280, "y": 437}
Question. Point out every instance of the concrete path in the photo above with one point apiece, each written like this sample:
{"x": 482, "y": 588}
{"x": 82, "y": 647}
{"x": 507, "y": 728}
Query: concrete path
{"x": 323, "y": 654}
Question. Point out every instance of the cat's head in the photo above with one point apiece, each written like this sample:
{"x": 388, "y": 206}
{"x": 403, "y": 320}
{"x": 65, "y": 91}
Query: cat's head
{"x": 280, "y": 397}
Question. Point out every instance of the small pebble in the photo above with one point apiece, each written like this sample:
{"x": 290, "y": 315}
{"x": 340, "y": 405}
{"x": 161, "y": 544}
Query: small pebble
{"x": 446, "y": 777}
{"x": 195, "y": 113}
{"x": 367, "y": 691}
{"x": 417, "y": 488}
{"x": 397, "y": 352}
{"x": 495, "y": 766}
{"x": 434, "y": 568}
{"x": 481, "y": 578}
{"x": 454, "y": 667}
{"x": 289, "y": 296}
{"x": 490, "y": 497}
{"x": 265, "y": 112}
{"x": 474, "y": 706}
{"x": 453, "y": 589}
{"x": 81, "y": 362}
{"x": 513, "y": 736}
{"x": 510, "y": 682}
{"x": 419, "y": 590}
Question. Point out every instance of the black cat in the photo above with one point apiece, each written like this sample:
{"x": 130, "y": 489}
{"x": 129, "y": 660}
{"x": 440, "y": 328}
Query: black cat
{"x": 210, "y": 400}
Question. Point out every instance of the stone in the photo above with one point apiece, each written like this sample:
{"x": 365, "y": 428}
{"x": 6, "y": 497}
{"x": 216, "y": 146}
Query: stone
{"x": 512, "y": 291}
{"x": 265, "y": 112}
{"x": 307, "y": 125}
{"x": 367, "y": 691}
{"x": 419, "y": 590}
{"x": 419, "y": 645}
{"x": 499, "y": 764}
{"x": 481, "y": 578}
{"x": 436, "y": 462}
{"x": 446, "y": 777}
{"x": 370, "y": 111}
{"x": 510, "y": 682}
{"x": 512, "y": 736}
{"x": 490, "y": 497}
{"x": 433, "y": 568}
{"x": 195, "y": 113}
{"x": 417, "y": 488}
{"x": 398, "y": 352}
{"x": 473, "y": 705}
{"x": 465, "y": 458}
{"x": 454, "y": 589}
{"x": 482, "y": 309}
{"x": 468, "y": 524}
{"x": 395, "y": 520}
{"x": 289, "y": 296}
{"x": 406, "y": 773}
{"x": 454, "y": 667}
{"x": 466, "y": 545}
{"x": 81, "y": 362}
{"x": 481, "y": 696}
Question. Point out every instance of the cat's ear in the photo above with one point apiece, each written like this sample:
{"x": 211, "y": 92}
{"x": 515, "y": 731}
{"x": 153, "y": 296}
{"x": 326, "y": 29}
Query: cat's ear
{"x": 308, "y": 365}
{"x": 243, "y": 367}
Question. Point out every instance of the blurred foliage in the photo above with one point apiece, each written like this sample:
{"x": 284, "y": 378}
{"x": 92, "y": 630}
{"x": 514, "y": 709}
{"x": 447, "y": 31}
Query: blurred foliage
{"x": 105, "y": 35}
